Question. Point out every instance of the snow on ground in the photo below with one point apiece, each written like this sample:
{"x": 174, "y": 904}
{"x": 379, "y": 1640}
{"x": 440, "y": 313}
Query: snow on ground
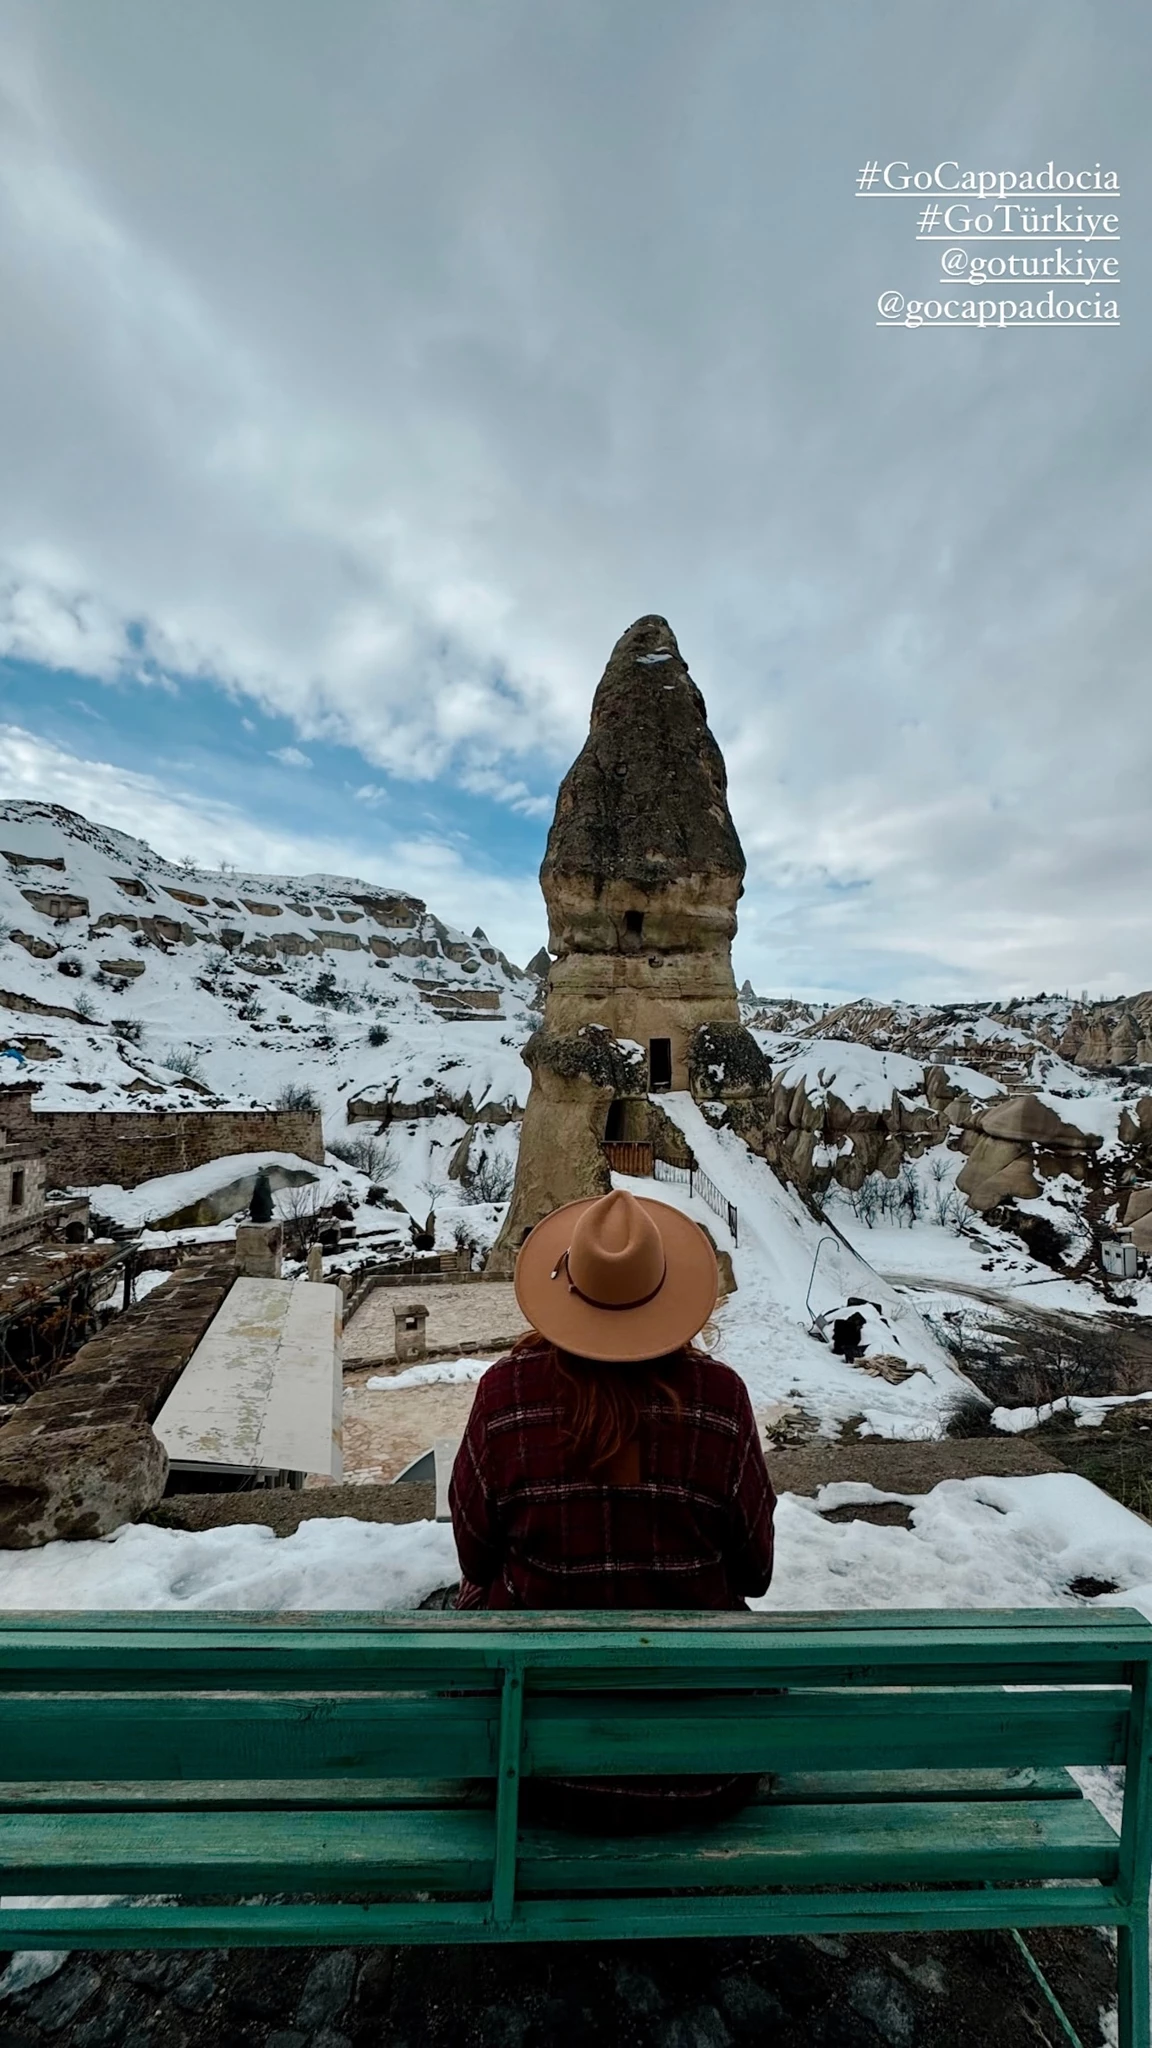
{"x": 972, "y": 1543}
{"x": 941, "y": 1264}
{"x": 1098, "y": 1114}
{"x": 861, "y": 1076}
{"x": 439, "y": 1372}
{"x": 763, "y": 1326}
{"x": 328, "y": 1563}
{"x": 1088, "y": 1411}
{"x": 134, "y": 1208}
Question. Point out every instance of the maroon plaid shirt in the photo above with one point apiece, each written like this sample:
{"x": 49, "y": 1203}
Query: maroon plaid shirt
{"x": 695, "y": 1530}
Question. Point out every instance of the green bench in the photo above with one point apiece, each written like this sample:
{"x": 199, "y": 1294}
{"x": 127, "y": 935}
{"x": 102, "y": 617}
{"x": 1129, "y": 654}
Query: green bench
{"x": 305, "y": 1779}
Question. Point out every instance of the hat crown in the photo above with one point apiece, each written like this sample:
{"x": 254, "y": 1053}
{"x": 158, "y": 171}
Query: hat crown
{"x": 616, "y": 1257}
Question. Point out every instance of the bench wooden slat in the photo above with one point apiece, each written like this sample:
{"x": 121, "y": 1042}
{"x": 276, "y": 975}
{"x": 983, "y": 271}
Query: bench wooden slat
{"x": 1004, "y": 1623}
{"x": 153, "y": 1669}
{"x": 237, "y": 1852}
{"x": 883, "y": 1843}
{"x": 338, "y": 1653}
{"x": 450, "y": 1851}
{"x": 232, "y": 1735}
{"x": 583, "y": 1736}
{"x": 842, "y": 1788}
{"x": 243, "y": 1736}
{"x": 279, "y": 1924}
{"x": 855, "y": 1788}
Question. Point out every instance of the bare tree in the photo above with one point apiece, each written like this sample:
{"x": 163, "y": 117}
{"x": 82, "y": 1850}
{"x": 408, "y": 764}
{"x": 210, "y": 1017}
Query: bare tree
{"x": 303, "y": 1215}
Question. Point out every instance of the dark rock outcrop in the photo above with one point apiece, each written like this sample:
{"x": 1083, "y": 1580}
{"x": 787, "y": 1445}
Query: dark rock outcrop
{"x": 79, "y": 1458}
{"x": 646, "y": 800}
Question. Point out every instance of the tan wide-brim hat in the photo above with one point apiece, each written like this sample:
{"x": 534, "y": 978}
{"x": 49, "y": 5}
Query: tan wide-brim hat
{"x": 617, "y": 1278}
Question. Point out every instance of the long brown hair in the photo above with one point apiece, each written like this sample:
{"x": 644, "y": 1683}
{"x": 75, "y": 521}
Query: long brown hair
{"x": 602, "y": 1404}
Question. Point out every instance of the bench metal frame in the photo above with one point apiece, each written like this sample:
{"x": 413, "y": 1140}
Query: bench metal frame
{"x": 936, "y": 1742}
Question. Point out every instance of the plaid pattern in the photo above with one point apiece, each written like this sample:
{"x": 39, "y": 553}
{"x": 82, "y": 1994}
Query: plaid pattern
{"x": 695, "y": 1532}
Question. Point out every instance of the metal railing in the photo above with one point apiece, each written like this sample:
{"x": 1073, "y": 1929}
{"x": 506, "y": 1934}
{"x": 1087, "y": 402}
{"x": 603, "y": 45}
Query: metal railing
{"x": 700, "y": 1183}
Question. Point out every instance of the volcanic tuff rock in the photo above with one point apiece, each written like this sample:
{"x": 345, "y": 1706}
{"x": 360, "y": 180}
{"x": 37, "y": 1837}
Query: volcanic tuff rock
{"x": 79, "y": 1458}
{"x": 646, "y": 800}
{"x": 641, "y": 876}
{"x": 997, "y": 1038}
{"x": 643, "y": 869}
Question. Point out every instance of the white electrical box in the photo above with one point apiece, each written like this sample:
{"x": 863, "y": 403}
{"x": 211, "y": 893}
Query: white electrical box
{"x": 1122, "y": 1261}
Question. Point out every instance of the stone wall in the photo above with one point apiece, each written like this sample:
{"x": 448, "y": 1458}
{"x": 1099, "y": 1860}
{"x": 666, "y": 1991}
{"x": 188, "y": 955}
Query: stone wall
{"x": 22, "y": 1176}
{"x": 79, "y": 1458}
{"x": 86, "y": 1147}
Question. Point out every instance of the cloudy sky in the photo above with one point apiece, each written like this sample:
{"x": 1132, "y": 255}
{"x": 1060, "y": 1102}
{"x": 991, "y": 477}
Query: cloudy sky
{"x": 365, "y": 368}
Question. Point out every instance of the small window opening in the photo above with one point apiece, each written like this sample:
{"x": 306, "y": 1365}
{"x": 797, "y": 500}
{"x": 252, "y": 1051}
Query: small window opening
{"x": 659, "y": 1063}
{"x": 634, "y": 922}
{"x": 18, "y": 1187}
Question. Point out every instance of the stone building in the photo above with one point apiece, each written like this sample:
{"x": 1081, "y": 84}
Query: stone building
{"x": 641, "y": 877}
{"x": 85, "y": 1147}
{"x": 21, "y": 1191}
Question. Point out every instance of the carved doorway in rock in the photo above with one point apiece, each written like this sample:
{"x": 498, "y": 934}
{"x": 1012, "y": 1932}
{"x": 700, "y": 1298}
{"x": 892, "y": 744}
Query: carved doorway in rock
{"x": 659, "y": 1064}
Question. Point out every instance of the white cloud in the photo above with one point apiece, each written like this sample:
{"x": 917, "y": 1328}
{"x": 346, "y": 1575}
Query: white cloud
{"x": 177, "y": 822}
{"x": 291, "y": 757}
{"x": 389, "y": 410}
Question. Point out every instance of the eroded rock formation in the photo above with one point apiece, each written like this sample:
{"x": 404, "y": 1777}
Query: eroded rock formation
{"x": 79, "y": 1458}
{"x": 641, "y": 877}
{"x": 643, "y": 868}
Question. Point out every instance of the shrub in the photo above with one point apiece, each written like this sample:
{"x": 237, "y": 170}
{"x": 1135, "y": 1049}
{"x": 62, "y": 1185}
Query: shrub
{"x": 297, "y": 1095}
{"x": 327, "y": 992}
{"x": 490, "y": 1180}
{"x": 371, "y": 1156}
{"x": 970, "y": 1417}
{"x": 84, "y": 1006}
{"x": 70, "y": 966}
{"x": 185, "y": 1061}
{"x": 250, "y": 1011}
{"x": 304, "y": 1218}
{"x": 378, "y": 1034}
{"x": 1043, "y": 1238}
{"x": 130, "y": 1029}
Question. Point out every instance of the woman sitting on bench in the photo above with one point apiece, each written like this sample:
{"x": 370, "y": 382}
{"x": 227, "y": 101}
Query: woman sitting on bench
{"x": 608, "y": 1462}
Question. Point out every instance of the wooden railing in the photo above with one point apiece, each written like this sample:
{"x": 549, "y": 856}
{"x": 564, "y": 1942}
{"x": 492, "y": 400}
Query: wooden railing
{"x": 629, "y": 1155}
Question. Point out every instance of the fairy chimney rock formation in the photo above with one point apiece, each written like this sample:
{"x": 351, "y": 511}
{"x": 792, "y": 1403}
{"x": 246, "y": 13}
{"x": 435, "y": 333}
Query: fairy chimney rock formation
{"x": 643, "y": 868}
{"x": 641, "y": 877}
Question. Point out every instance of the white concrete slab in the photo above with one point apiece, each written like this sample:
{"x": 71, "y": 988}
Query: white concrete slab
{"x": 444, "y": 1457}
{"x": 263, "y": 1389}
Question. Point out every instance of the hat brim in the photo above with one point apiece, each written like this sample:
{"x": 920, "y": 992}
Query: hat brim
{"x": 618, "y": 1335}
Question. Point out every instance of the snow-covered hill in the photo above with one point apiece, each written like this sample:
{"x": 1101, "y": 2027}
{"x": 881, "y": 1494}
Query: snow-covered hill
{"x": 1018, "y": 1040}
{"x": 126, "y": 980}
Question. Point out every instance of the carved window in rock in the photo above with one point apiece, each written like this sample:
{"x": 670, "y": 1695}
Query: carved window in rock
{"x": 16, "y": 1197}
{"x": 614, "y": 1124}
{"x": 659, "y": 1063}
